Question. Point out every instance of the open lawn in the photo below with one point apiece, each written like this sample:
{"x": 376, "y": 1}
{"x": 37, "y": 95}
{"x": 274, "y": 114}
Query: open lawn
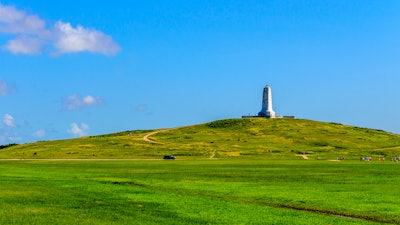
{"x": 221, "y": 191}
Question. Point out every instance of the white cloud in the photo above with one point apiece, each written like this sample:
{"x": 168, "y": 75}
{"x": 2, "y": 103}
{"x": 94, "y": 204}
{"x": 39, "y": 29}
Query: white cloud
{"x": 78, "y": 131}
{"x": 69, "y": 40}
{"x": 90, "y": 100}
{"x": 40, "y": 133}
{"x": 31, "y": 35}
{"x": 8, "y": 120}
{"x": 75, "y": 102}
{"x": 24, "y": 45}
{"x": 13, "y": 21}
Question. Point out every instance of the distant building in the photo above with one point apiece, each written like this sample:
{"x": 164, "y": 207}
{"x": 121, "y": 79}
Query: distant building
{"x": 266, "y": 106}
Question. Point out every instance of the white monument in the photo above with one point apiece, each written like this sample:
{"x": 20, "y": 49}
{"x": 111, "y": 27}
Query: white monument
{"x": 266, "y": 110}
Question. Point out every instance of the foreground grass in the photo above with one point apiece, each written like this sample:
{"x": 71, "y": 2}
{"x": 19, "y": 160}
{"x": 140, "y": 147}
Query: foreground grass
{"x": 199, "y": 192}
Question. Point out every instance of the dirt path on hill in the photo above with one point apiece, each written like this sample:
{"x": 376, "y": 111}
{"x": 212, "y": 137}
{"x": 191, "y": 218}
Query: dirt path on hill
{"x": 393, "y": 147}
{"x": 146, "y": 137}
{"x": 302, "y": 155}
{"x": 213, "y": 154}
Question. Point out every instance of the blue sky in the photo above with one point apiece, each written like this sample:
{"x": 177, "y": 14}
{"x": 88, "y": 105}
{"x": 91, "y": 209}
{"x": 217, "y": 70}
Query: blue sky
{"x": 75, "y": 68}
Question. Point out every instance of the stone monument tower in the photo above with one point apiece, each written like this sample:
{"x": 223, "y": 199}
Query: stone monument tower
{"x": 266, "y": 110}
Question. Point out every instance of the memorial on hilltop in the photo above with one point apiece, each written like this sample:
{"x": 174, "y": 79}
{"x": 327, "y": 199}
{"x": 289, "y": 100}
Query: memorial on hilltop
{"x": 266, "y": 106}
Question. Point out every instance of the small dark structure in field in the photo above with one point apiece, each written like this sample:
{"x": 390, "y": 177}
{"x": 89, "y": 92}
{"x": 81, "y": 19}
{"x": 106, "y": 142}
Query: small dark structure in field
{"x": 169, "y": 157}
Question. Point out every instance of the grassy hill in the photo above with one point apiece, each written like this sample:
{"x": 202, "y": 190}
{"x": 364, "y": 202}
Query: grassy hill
{"x": 255, "y": 137}
{"x": 245, "y": 186}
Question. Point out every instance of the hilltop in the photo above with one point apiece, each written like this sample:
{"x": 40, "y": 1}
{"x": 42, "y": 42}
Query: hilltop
{"x": 255, "y": 137}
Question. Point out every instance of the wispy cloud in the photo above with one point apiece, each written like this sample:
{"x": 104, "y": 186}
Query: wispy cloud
{"x": 24, "y": 44}
{"x": 9, "y": 137}
{"x": 75, "y": 102}
{"x": 15, "y": 21}
{"x": 6, "y": 89}
{"x": 78, "y": 131}
{"x": 39, "y": 133}
{"x": 8, "y": 133}
{"x": 31, "y": 36}
{"x": 8, "y": 120}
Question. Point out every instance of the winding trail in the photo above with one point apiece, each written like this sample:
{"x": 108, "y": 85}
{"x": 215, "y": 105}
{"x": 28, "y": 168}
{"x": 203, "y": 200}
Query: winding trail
{"x": 213, "y": 154}
{"x": 393, "y": 147}
{"x": 146, "y": 137}
{"x": 303, "y": 155}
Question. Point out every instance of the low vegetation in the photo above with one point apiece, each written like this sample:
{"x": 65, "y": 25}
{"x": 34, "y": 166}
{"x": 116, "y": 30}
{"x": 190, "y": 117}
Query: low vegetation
{"x": 245, "y": 138}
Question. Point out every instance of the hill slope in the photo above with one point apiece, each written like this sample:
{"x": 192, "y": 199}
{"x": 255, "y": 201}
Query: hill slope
{"x": 256, "y": 137}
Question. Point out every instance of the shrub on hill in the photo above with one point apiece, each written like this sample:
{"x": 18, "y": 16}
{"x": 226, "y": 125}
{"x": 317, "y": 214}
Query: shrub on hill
{"x": 7, "y": 145}
{"x": 228, "y": 123}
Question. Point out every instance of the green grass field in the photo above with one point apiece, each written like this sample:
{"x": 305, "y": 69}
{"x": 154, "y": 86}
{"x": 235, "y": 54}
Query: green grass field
{"x": 235, "y": 171}
{"x": 223, "y": 191}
